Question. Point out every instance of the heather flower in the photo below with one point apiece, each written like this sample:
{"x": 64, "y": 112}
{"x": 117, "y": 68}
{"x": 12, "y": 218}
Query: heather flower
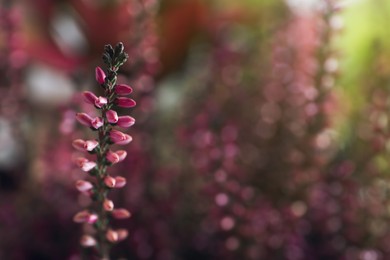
{"x": 109, "y": 181}
{"x": 125, "y": 121}
{"x": 103, "y": 124}
{"x": 119, "y": 182}
{"x": 85, "y": 164}
{"x": 120, "y": 138}
{"x": 85, "y": 217}
{"x": 112, "y": 116}
{"x": 108, "y": 205}
{"x": 125, "y": 102}
{"x": 84, "y": 119}
{"x": 85, "y": 146}
{"x": 121, "y": 213}
{"x": 123, "y": 90}
{"x": 100, "y": 75}
{"x": 83, "y": 186}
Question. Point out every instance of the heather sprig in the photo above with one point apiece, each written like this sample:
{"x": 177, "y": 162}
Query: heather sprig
{"x": 99, "y": 181}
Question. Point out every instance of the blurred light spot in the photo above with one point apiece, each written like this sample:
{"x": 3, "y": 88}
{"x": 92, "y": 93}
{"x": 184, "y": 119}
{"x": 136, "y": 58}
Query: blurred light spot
{"x": 336, "y": 22}
{"x": 68, "y": 35}
{"x": 323, "y": 140}
{"x": 9, "y": 154}
{"x": 221, "y": 199}
{"x": 48, "y": 86}
{"x": 227, "y": 223}
{"x": 369, "y": 255}
{"x": 331, "y": 64}
{"x": 298, "y": 208}
{"x": 232, "y": 243}
{"x": 310, "y": 93}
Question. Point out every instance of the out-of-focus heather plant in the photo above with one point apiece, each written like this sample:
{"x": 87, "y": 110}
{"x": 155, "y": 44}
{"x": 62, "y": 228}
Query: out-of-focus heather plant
{"x": 100, "y": 181}
{"x": 275, "y": 146}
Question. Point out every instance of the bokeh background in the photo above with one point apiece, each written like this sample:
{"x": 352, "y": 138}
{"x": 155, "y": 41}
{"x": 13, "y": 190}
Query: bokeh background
{"x": 262, "y": 127}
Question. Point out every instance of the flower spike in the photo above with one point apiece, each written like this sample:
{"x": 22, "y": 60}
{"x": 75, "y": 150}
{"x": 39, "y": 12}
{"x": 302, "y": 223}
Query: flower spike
{"x": 100, "y": 183}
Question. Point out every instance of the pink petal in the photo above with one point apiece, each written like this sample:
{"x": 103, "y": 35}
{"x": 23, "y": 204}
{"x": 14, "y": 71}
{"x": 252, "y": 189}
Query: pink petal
{"x": 100, "y": 101}
{"x": 85, "y": 164}
{"x": 84, "y": 119}
{"x": 83, "y": 185}
{"x": 79, "y": 144}
{"x": 120, "y": 182}
{"x": 125, "y": 102}
{"x": 122, "y": 234}
{"x": 84, "y": 146}
{"x": 91, "y": 144}
{"x": 123, "y": 90}
{"x": 100, "y": 75}
{"x": 112, "y": 116}
{"x": 112, "y": 157}
{"x": 89, "y": 97}
{"x": 120, "y": 138}
{"x": 121, "y": 213}
{"x": 109, "y": 181}
{"x": 125, "y": 121}
{"x": 121, "y": 155}
{"x": 85, "y": 217}
{"x": 108, "y": 205}
{"x": 112, "y": 236}
{"x": 87, "y": 241}
{"x": 97, "y": 122}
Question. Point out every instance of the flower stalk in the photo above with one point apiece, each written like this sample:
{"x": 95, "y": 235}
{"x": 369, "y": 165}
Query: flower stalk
{"x": 99, "y": 181}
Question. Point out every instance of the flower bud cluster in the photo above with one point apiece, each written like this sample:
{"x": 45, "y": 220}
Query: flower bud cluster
{"x": 98, "y": 182}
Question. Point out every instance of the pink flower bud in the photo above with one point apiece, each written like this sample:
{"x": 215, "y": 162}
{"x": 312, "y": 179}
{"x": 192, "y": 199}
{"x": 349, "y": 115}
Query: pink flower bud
{"x": 109, "y": 181}
{"x": 85, "y": 164}
{"x": 112, "y": 236}
{"x": 84, "y": 119}
{"x": 90, "y": 97}
{"x": 97, "y": 122}
{"x": 108, "y": 205}
{"x": 100, "y": 75}
{"x": 84, "y": 146}
{"x": 112, "y": 157}
{"x": 85, "y": 217}
{"x": 123, "y": 90}
{"x": 100, "y": 101}
{"x": 125, "y": 102}
{"x": 125, "y": 121}
{"x": 112, "y": 116}
{"x": 122, "y": 234}
{"x": 120, "y": 213}
{"x": 121, "y": 155}
{"x": 87, "y": 241}
{"x": 120, "y": 138}
{"x": 83, "y": 186}
{"x": 120, "y": 182}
